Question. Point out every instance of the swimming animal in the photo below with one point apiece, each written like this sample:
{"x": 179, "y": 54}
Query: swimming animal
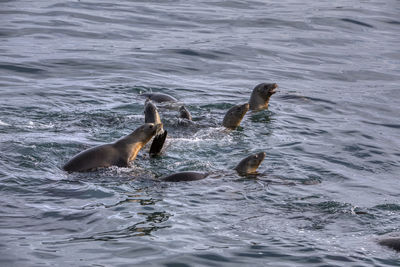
{"x": 260, "y": 96}
{"x": 185, "y": 176}
{"x": 391, "y": 242}
{"x": 184, "y": 113}
{"x": 118, "y": 153}
{"x": 250, "y": 164}
{"x": 235, "y": 115}
{"x": 246, "y": 166}
{"x": 159, "y": 97}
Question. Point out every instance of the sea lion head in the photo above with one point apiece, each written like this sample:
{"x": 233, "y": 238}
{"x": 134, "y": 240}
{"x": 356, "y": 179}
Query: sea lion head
{"x": 147, "y": 131}
{"x": 184, "y": 113}
{"x": 266, "y": 90}
{"x": 250, "y": 164}
{"x": 151, "y": 112}
{"x": 130, "y": 145}
{"x": 261, "y": 94}
{"x": 235, "y": 115}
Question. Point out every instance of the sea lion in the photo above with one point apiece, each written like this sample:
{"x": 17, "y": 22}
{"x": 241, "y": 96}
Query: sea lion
{"x": 246, "y": 166}
{"x": 151, "y": 115}
{"x": 260, "y": 96}
{"x": 250, "y": 164}
{"x": 391, "y": 242}
{"x": 159, "y": 97}
{"x": 185, "y": 176}
{"x": 235, "y": 115}
{"x": 184, "y": 113}
{"x": 118, "y": 153}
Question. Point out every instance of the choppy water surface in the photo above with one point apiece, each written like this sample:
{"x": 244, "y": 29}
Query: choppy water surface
{"x": 329, "y": 186}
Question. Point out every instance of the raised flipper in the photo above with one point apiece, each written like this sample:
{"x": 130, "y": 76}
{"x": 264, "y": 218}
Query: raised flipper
{"x": 158, "y": 143}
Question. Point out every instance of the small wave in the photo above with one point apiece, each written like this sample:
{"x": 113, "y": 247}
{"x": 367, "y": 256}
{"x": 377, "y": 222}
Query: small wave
{"x": 189, "y": 52}
{"x": 36, "y": 125}
{"x": 358, "y": 22}
{"x": 394, "y": 22}
{"x": 20, "y": 68}
{"x": 2, "y": 123}
{"x": 389, "y": 125}
{"x": 388, "y": 207}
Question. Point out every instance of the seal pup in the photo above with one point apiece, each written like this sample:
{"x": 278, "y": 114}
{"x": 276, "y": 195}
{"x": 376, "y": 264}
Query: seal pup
{"x": 391, "y": 242}
{"x": 246, "y": 166}
{"x": 260, "y": 96}
{"x": 235, "y": 115}
{"x": 151, "y": 115}
{"x": 184, "y": 113}
{"x": 159, "y": 97}
{"x": 118, "y": 153}
{"x": 250, "y": 164}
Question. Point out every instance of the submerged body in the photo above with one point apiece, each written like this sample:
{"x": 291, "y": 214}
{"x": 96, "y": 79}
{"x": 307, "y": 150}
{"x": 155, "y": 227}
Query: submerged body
{"x": 260, "y": 96}
{"x": 235, "y": 115}
{"x": 246, "y": 166}
{"x": 185, "y": 176}
{"x": 114, "y": 154}
{"x": 391, "y": 242}
{"x": 159, "y": 97}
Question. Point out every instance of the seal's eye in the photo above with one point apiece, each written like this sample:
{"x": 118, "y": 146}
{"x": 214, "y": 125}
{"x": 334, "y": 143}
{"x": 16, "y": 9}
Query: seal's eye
{"x": 151, "y": 126}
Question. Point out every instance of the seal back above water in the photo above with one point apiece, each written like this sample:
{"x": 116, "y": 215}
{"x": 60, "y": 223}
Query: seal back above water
{"x": 118, "y": 153}
{"x": 185, "y": 176}
{"x": 159, "y": 97}
{"x": 246, "y": 166}
{"x": 391, "y": 242}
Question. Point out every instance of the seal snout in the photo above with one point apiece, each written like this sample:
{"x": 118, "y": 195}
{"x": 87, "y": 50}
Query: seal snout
{"x": 261, "y": 156}
{"x": 273, "y": 88}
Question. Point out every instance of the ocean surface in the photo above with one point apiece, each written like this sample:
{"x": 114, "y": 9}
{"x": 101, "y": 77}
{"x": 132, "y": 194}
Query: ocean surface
{"x": 70, "y": 77}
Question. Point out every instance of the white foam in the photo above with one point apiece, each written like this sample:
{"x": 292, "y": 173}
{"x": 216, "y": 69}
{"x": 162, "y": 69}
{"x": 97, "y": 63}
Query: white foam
{"x": 135, "y": 116}
{"x": 35, "y": 125}
{"x": 2, "y": 123}
{"x": 207, "y": 137}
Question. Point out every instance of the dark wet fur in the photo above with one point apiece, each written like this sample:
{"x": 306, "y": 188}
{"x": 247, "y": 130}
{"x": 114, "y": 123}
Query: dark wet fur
{"x": 184, "y": 113}
{"x": 185, "y": 177}
{"x": 159, "y": 97}
{"x": 393, "y": 243}
{"x": 158, "y": 143}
